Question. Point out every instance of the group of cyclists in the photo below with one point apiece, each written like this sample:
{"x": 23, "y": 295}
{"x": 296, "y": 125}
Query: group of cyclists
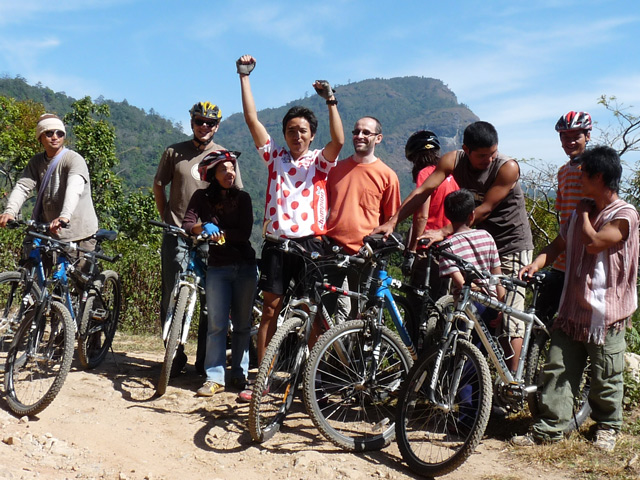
{"x": 472, "y": 196}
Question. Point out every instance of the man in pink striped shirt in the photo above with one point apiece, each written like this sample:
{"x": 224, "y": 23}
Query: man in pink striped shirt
{"x": 599, "y": 296}
{"x": 574, "y": 129}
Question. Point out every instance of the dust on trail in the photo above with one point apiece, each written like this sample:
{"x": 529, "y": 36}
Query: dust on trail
{"x": 107, "y": 424}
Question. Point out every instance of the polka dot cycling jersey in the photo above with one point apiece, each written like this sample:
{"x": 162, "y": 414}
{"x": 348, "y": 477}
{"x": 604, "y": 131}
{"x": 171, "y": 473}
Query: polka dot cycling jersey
{"x": 296, "y": 201}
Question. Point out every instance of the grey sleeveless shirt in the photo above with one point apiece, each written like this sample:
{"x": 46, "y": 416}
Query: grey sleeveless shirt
{"x": 507, "y": 223}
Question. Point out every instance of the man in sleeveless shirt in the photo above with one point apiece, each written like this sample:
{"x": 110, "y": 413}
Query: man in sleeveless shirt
{"x": 500, "y": 208}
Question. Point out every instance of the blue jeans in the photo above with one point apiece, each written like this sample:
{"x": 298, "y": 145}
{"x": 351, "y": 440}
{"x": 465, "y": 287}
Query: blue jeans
{"x": 230, "y": 293}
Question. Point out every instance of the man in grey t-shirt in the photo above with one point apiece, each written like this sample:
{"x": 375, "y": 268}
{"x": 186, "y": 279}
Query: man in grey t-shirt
{"x": 178, "y": 168}
{"x": 61, "y": 178}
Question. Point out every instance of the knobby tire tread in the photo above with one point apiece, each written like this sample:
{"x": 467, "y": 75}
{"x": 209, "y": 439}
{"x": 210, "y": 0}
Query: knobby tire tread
{"x": 261, "y": 428}
{"x": 60, "y": 314}
{"x": 356, "y": 441}
{"x": 173, "y": 339}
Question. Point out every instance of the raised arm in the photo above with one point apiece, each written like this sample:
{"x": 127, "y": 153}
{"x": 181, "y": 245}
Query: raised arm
{"x": 245, "y": 65}
{"x": 331, "y": 149}
{"x": 609, "y": 235}
{"x": 420, "y": 194}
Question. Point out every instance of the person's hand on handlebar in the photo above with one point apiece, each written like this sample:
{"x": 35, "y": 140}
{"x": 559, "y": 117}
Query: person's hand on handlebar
{"x": 528, "y": 271}
{"x": 385, "y": 229}
{"x": 430, "y": 237}
{"x": 57, "y": 224}
{"x": 5, "y": 218}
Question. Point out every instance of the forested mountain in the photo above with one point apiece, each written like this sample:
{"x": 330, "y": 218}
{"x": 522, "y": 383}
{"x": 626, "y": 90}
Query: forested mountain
{"x": 403, "y": 105}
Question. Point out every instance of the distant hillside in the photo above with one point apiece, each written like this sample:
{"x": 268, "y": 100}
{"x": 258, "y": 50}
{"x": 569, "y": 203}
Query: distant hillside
{"x": 141, "y": 137}
{"x": 403, "y": 105}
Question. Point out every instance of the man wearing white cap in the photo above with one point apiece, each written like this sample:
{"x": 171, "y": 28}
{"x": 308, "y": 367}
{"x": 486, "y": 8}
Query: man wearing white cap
{"x": 61, "y": 178}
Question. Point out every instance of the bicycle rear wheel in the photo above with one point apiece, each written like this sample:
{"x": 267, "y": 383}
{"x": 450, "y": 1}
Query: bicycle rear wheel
{"x": 173, "y": 339}
{"x": 39, "y": 359}
{"x": 536, "y": 359}
{"x": 12, "y": 293}
{"x": 351, "y": 386}
{"x": 277, "y": 380}
{"x": 437, "y": 429}
{"x": 99, "y": 321}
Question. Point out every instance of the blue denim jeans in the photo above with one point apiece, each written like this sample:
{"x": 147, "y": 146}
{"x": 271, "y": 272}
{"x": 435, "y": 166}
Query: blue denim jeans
{"x": 230, "y": 293}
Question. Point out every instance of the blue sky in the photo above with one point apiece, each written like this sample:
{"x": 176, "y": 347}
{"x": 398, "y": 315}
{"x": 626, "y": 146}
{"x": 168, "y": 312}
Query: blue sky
{"x": 516, "y": 64}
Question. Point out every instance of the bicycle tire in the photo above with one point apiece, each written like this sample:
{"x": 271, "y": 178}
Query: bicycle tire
{"x": 12, "y": 293}
{"x": 99, "y": 321}
{"x": 352, "y": 408}
{"x": 435, "y": 440}
{"x": 39, "y": 360}
{"x": 434, "y": 324}
{"x": 533, "y": 376}
{"x": 277, "y": 380}
{"x": 173, "y": 339}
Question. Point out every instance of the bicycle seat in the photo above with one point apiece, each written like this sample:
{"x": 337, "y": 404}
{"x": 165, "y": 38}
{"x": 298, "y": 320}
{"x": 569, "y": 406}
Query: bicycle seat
{"x": 103, "y": 234}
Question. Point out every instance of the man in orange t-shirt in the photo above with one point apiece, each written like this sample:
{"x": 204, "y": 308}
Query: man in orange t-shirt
{"x": 362, "y": 191}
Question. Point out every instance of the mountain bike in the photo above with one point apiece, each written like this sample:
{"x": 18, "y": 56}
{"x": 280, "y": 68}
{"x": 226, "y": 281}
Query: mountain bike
{"x": 189, "y": 285}
{"x": 41, "y": 350}
{"x": 354, "y": 371}
{"x": 445, "y": 403}
{"x": 92, "y": 296}
{"x": 279, "y": 372}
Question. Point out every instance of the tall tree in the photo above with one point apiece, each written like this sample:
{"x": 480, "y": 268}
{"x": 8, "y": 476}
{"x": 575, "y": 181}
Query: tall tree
{"x": 18, "y": 121}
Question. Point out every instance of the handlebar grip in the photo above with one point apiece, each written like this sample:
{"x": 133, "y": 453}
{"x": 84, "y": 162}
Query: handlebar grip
{"x": 102, "y": 256}
{"x": 158, "y": 224}
{"x": 519, "y": 283}
{"x": 273, "y": 238}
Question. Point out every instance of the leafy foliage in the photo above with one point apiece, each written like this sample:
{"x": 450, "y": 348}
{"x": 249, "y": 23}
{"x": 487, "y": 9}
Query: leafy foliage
{"x": 18, "y": 144}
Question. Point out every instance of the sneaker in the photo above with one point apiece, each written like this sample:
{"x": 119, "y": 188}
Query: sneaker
{"x": 526, "y": 440}
{"x": 245, "y": 395}
{"x": 209, "y": 389}
{"x": 605, "y": 439}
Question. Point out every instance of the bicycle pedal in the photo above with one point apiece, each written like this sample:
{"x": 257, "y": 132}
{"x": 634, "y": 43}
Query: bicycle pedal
{"x": 100, "y": 314}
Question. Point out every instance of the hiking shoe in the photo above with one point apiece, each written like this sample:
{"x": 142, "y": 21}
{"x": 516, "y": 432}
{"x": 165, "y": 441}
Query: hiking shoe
{"x": 209, "y": 389}
{"x": 605, "y": 439}
{"x": 526, "y": 440}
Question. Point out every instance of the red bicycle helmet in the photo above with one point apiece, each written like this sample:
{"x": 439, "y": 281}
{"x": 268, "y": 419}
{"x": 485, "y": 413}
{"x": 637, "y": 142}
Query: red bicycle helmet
{"x": 207, "y": 166}
{"x": 574, "y": 121}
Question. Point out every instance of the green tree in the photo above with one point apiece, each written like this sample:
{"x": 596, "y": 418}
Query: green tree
{"x": 93, "y": 137}
{"x": 18, "y": 121}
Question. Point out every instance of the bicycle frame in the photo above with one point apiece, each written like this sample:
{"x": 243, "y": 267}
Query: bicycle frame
{"x": 194, "y": 279}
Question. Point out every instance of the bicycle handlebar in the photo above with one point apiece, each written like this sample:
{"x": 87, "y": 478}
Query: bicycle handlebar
{"x": 63, "y": 246}
{"x": 291, "y": 246}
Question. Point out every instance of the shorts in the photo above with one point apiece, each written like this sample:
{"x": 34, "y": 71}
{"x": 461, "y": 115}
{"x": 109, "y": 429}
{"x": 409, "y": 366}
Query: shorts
{"x": 511, "y": 265}
{"x": 278, "y": 268}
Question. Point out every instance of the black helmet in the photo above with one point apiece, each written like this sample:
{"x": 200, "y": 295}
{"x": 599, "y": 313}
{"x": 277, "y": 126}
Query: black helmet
{"x": 206, "y": 110}
{"x": 421, "y": 140}
{"x": 207, "y": 166}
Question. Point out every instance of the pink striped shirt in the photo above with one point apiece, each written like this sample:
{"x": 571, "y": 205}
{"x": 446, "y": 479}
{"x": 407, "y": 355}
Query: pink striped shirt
{"x": 568, "y": 195}
{"x": 476, "y": 247}
{"x": 599, "y": 289}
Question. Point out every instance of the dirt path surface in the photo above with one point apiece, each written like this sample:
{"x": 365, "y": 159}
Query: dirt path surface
{"x": 107, "y": 424}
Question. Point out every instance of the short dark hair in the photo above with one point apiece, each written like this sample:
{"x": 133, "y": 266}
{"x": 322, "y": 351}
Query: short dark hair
{"x": 480, "y": 135}
{"x": 604, "y": 160}
{"x": 459, "y": 205}
{"x": 299, "y": 111}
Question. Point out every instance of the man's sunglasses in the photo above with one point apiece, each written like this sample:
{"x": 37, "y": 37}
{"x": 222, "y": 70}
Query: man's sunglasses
{"x": 51, "y": 133}
{"x": 209, "y": 123}
{"x": 366, "y": 133}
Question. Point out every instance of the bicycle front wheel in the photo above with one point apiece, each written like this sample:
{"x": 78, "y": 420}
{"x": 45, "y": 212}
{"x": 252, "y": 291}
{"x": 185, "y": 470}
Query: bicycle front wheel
{"x": 173, "y": 339}
{"x": 277, "y": 379}
{"x": 38, "y": 360}
{"x": 12, "y": 297}
{"x": 99, "y": 321}
{"x": 352, "y": 382}
{"x": 442, "y": 416}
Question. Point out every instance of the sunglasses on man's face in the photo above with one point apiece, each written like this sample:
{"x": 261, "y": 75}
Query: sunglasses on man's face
{"x": 209, "y": 123}
{"x": 51, "y": 133}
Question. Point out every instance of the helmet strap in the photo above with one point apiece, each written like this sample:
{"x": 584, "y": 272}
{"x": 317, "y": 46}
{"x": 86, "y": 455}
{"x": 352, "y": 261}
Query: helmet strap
{"x": 200, "y": 143}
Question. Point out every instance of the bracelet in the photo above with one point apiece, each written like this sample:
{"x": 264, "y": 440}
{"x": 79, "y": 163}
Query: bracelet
{"x": 332, "y": 102}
